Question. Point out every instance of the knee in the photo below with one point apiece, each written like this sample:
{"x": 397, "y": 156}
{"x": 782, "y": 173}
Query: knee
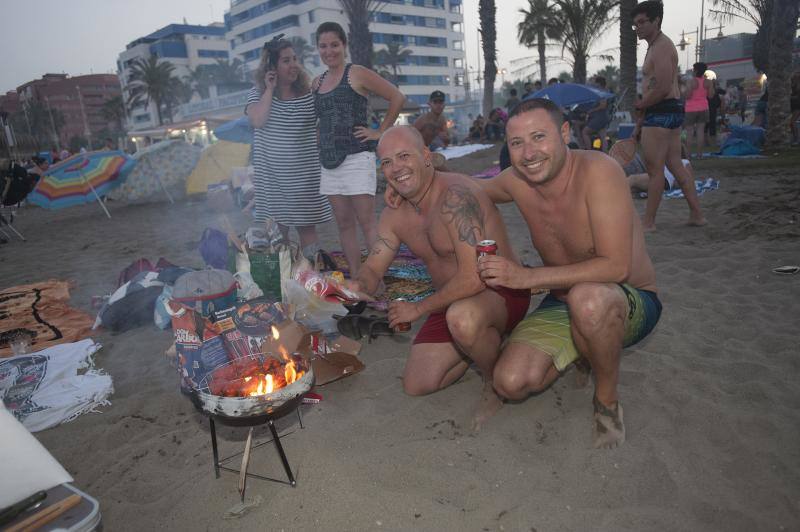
{"x": 419, "y": 385}
{"x": 590, "y": 305}
{"x": 463, "y": 323}
{"x": 513, "y": 384}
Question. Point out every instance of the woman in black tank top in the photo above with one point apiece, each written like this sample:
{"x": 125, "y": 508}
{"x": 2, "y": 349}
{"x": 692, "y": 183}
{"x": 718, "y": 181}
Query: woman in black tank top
{"x": 346, "y": 141}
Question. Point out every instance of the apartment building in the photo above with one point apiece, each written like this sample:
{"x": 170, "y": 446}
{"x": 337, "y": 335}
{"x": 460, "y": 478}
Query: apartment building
{"x": 185, "y": 46}
{"x": 432, "y": 29}
{"x": 78, "y": 99}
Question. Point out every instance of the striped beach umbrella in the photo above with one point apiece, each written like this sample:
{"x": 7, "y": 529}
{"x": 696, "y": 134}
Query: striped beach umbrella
{"x": 82, "y": 178}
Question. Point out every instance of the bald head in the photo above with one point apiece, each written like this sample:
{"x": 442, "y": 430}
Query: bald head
{"x": 406, "y": 135}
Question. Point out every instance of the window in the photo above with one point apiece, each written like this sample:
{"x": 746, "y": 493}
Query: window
{"x": 457, "y": 27}
{"x": 458, "y": 62}
{"x": 458, "y": 45}
{"x": 311, "y": 16}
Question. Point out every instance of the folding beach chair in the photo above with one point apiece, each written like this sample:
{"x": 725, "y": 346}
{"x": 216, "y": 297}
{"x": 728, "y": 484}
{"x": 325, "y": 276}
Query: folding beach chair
{"x": 15, "y": 185}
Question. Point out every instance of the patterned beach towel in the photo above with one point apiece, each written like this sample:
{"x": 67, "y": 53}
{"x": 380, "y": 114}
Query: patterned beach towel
{"x": 407, "y": 276}
{"x": 701, "y": 185}
{"x": 41, "y": 310}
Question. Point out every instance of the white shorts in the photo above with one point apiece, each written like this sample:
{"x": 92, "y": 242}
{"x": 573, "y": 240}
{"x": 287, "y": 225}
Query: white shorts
{"x": 356, "y": 175}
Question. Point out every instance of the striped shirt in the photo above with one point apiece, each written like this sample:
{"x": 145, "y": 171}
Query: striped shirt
{"x": 286, "y": 161}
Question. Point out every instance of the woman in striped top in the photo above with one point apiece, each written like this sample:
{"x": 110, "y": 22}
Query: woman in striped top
{"x": 287, "y": 170}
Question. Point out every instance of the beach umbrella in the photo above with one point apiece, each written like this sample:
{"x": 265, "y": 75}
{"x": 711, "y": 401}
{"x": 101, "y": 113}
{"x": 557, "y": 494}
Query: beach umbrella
{"x": 572, "y": 95}
{"x": 82, "y": 178}
{"x": 158, "y": 167}
{"x": 215, "y": 165}
{"x": 238, "y": 130}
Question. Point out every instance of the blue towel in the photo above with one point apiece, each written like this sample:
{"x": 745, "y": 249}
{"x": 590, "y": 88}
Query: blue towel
{"x": 700, "y": 186}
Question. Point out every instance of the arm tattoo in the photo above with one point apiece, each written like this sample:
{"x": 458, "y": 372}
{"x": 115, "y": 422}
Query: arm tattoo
{"x": 376, "y": 248}
{"x": 651, "y": 84}
{"x": 463, "y": 210}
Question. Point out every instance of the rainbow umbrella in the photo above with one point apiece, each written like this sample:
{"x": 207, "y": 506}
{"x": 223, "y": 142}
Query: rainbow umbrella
{"x": 82, "y": 178}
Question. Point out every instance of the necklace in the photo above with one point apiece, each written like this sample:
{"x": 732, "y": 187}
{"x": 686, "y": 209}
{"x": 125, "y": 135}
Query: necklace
{"x": 416, "y": 205}
{"x": 660, "y": 33}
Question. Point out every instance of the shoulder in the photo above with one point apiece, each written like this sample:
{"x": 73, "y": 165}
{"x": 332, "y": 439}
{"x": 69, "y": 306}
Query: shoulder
{"x": 596, "y": 170}
{"x": 460, "y": 187}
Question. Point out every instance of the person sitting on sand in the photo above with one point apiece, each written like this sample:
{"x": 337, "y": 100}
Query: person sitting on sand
{"x": 443, "y": 218}
{"x": 602, "y": 283}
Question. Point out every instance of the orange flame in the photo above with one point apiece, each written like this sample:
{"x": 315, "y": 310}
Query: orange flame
{"x": 284, "y": 353}
{"x": 276, "y": 334}
{"x": 265, "y": 385}
{"x": 290, "y": 373}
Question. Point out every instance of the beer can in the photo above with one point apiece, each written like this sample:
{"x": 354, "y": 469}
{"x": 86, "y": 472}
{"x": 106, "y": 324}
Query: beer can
{"x": 404, "y": 326}
{"x": 486, "y": 247}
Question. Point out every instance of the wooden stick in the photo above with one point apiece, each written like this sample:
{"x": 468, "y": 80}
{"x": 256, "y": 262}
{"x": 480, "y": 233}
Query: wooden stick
{"x": 245, "y": 464}
{"x": 46, "y": 515}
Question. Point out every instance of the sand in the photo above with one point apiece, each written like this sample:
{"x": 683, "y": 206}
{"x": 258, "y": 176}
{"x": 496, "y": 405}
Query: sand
{"x": 711, "y": 398}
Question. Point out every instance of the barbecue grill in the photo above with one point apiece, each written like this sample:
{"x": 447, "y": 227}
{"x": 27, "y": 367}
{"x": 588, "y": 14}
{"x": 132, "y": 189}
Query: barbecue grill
{"x": 250, "y": 412}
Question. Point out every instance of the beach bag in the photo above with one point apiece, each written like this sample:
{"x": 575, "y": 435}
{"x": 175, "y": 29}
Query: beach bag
{"x": 205, "y": 291}
{"x": 133, "y": 269}
{"x": 214, "y": 248}
{"x": 268, "y": 268}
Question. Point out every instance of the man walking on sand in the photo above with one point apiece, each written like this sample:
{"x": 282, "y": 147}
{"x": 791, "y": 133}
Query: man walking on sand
{"x": 433, "y": 124}
{"x": 601, "y": 281}
{"x": 660, "y": 114}
{"x": 443, "y": 218}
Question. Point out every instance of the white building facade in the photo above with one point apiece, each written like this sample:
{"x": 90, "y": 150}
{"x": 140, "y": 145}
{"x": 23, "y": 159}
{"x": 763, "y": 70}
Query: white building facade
{"x": 432, "y": 29}
{"x": 185, "y": 46}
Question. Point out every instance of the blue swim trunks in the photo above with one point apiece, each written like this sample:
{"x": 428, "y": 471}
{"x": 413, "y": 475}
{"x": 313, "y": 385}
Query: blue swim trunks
{"x": 667, "y": 114}
{"x": 548, "y": 328}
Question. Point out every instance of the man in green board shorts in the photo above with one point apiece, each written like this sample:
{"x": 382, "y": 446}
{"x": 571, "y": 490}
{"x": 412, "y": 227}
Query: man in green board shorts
{"x": 602, "y": 284}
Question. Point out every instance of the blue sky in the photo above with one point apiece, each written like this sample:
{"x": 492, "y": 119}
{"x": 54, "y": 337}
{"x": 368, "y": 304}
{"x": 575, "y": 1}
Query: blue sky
{"x": 86, "y": 36}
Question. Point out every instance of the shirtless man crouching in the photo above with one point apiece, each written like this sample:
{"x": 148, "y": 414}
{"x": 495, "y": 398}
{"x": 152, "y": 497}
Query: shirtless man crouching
{"x": 602, "y": 284}
{"x": 444, "y": 217}
{"x": 660, "y": 114}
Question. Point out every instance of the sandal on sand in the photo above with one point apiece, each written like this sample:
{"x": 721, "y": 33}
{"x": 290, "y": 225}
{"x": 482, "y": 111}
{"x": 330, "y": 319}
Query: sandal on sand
{"x": 786, "y": 270}
{"x": 356, "y": 326}
{"x": 348, "y": 326}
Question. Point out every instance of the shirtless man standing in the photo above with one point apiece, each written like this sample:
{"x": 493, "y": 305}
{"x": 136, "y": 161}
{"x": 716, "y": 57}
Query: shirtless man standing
{"x": 433, "y": 124}
{"x": 602, "y": 284}
{"x": 444, "y": 216}
{"x": 660, "y": 114}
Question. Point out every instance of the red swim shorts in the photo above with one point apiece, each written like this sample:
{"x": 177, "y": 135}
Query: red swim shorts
{"x": 435, "y": 331}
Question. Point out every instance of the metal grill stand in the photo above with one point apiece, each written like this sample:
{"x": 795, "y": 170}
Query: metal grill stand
{"x": 253, "y": 421}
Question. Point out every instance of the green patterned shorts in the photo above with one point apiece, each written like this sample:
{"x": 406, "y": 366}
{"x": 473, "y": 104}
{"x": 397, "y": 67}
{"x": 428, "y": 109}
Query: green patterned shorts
{"x": 548, "y": 329}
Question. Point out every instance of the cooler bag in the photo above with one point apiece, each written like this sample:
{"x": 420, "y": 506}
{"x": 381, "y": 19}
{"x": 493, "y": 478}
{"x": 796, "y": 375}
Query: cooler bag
{"x": 205, "y": 291}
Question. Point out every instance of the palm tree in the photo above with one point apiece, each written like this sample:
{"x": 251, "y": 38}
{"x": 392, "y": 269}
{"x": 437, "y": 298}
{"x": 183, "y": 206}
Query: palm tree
{"x": 627, "y": 55}
{"x": 583, "y": 23}
{"x": 611, "y": 73}
{"x": 359, "y": 13}
{"x": 759, "y": 13}
{"x": 784, "y": 26}
{"x": 113, "y": 110}
{"x": 393, "y": 56}
{"x": 487, "y": 12}
{"x": 302, "y": 49}
{"x": 150, "y": 81}
{"x": 540, "y": 23}
{"x": 199, "y": 79}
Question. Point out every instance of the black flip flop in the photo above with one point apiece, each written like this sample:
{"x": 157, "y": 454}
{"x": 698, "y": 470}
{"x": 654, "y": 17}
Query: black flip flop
{"x": 349, "y": 326}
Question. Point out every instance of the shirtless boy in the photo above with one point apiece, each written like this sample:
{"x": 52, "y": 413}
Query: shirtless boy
{"x": 660, "y": 114}
{"x": 602, "y": 284}
{"x": 444, "y": 216}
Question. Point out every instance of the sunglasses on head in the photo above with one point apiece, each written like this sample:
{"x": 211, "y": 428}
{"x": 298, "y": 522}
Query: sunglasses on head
{"x": 275, "y": 42}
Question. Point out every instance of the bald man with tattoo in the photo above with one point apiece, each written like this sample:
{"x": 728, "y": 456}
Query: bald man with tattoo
{"x": 443, "y": 218}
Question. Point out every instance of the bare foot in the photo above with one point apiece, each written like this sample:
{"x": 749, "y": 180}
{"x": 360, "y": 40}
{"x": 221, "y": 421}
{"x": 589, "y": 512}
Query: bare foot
{"x": 583, "y": 373}
{"x": 608, "y": 431}
{"x": 696, "y": 222}
{"x": 488, "y": 404}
